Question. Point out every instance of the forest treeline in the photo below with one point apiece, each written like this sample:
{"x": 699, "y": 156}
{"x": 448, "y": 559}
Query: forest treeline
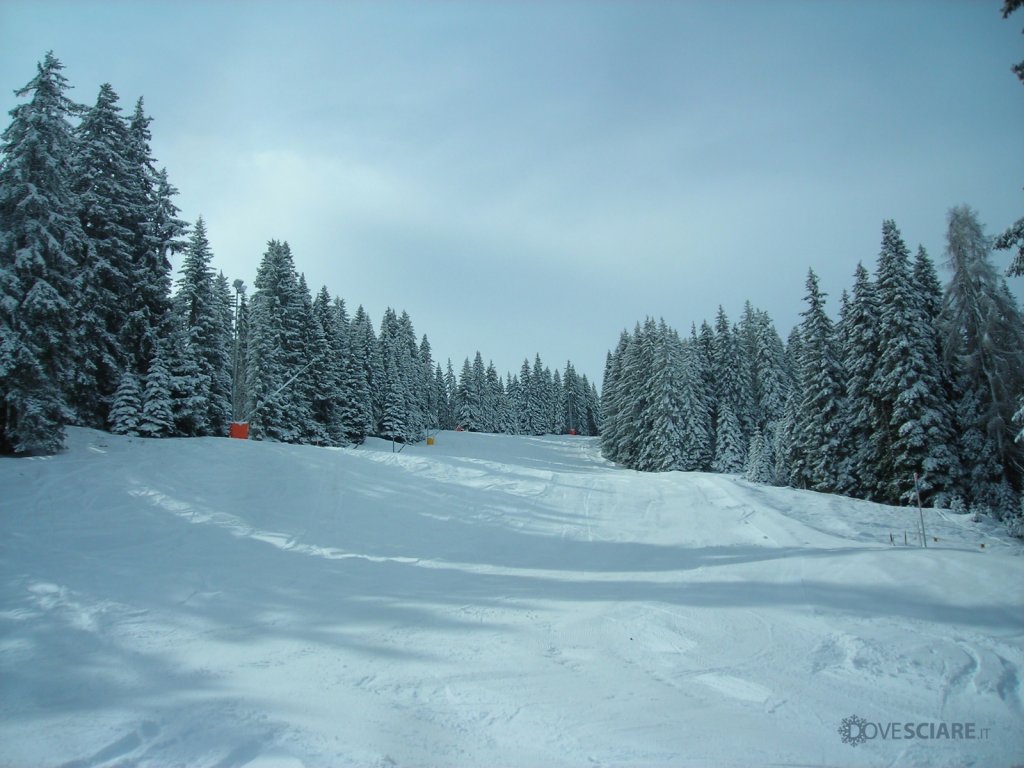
{"x": 95, "y": 331}
{"x": 915, "y": 390}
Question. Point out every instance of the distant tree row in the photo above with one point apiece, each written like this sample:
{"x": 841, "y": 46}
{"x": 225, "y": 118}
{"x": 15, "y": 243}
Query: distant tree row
{"x": 92, "y": 331}
{"x": 307, "y": 373}
{"x": 911, "y": 380}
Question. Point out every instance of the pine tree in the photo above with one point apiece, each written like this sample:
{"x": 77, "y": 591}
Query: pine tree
{"x": 727, "y": 373}
{"x": 156, "y": 233}
{"x": 540, "y": 397}
{"x": 157, "y": 417}
{"x": 202, "y": 359}
{"x": 745, "y": 334}
{"x": 610, "y": 402}
{"x": 592, "y": 406}
{"x": 662, "y": 447}
{"x": 110, "y": 208}
{"x": 467, "y": 399}
{"x": 636, "y": 392}
{"x": 444, "y": 410}
{"x": 730, "y": 450}
{"x": 355, "y": 412}
{"x": 984, "y": 345}
{"x": 493, "y": 395}
{"x": 760, "y": 467}
{"x": 432, "y": 392}
{"x": 916, "y": 432}
{"x": 275, "y": 352}
{"x": 41, "y": 244}
{"x": 396, "y": 420}
{"x": 126, "y": 412}
{"x": 412, "y": 373}
{"x": 860, "y": 350}
{"x": 695, "y": 429}
{"x": 451, "y": 386}
{"x": 819, "y": 427}
{"x": 705, "y": 341}
{"x": 325, "y": 376}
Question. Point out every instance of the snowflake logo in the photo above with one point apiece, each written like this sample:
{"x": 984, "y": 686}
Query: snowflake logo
{"x": 852, "y": 730}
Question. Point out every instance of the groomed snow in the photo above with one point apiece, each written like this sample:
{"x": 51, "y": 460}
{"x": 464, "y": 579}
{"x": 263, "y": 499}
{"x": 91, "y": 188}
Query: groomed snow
{"x": 485, "y": 601}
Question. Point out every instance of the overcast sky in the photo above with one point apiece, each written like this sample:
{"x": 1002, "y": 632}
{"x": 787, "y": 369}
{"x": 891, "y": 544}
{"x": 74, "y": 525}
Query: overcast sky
{"x": 533, "y": 177}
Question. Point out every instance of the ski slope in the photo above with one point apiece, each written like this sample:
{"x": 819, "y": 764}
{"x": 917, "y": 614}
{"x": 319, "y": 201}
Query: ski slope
{"x": 488, "y": 600}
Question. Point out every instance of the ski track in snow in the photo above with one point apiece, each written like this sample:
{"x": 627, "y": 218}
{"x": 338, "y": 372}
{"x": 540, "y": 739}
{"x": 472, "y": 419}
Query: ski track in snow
{"x": 488, "y": 600}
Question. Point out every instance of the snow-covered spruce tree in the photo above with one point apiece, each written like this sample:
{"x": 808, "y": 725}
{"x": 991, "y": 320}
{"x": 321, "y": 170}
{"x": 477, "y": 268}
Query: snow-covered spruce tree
{"x": 189, "y": 386}
{"x": 760, "y": 467}
{"x": 576, "y": 402}
{"x": 523, "y": 405}
{"x": 730, "y": 448}
{"x": 705, "y": 341}
{"x": 365, "y": 372}
{"x": 790, "y": 458}
{"x": 467, "y": 399}
{"x": 695, "y": 428}
{"x": 819, "y": 429}
{"x": 774, "y": 381}
{"x": 593, "y": 408}
{"x": 221, "y": 384}
{"x": 274, "y": 349}
{"x": 540, "y": 397}
{"x": 661, "y": 447}
{"x": 451, "y": 384}
{"x": 478, "y": 416}
{"x": 444, "y": 408}
{"x": 744, "y": 346}
{"x": 202, "y": 359}
{"x": 509, "y": 421}
{"x": 985, "y": 348}
{"x": 402, "y": 364}
{"x": 859, "y": 346}
{"x": 612, "y": 399}
{"x": 556, "y": 419}
{"x": 41, "y": 244}
{"x": 156, "y": 234}
{"x": 730, "y": 440}
{"x": 916, "y": 434}
{"x": 515, "y": 392}
{"x": 943, "y": 470}
{"x": 157, "y": 417}
{"x": 494, "y": 393}
{"x": 111, "y": 205}
{"x": 394, "y": 418}
{"x": 771, "y": 384}
{"x": 414, "y": 376}
{"x": 310, "y": 386}
{"x": 745, "y": 341}
{"x": 126, "y": 412}
{"x": 431, "y": 405}
{"x": 635, "y": 391}
{"x": 355, "y": 413}
{"x": 326, "y": 379}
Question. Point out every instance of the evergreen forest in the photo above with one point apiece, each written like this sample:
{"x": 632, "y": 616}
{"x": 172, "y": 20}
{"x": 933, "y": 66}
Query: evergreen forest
{"x": 909, "y": 391}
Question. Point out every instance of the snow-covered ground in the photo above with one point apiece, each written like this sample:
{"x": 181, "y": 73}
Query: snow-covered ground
{"x": 487, "y": 600}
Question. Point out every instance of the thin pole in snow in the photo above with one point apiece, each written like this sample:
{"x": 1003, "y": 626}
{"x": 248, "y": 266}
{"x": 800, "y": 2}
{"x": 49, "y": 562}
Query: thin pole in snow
{"x": 920, "y": 512}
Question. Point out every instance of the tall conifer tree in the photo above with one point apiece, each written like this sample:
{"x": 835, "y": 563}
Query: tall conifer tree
{"x": 41, "y": 245}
